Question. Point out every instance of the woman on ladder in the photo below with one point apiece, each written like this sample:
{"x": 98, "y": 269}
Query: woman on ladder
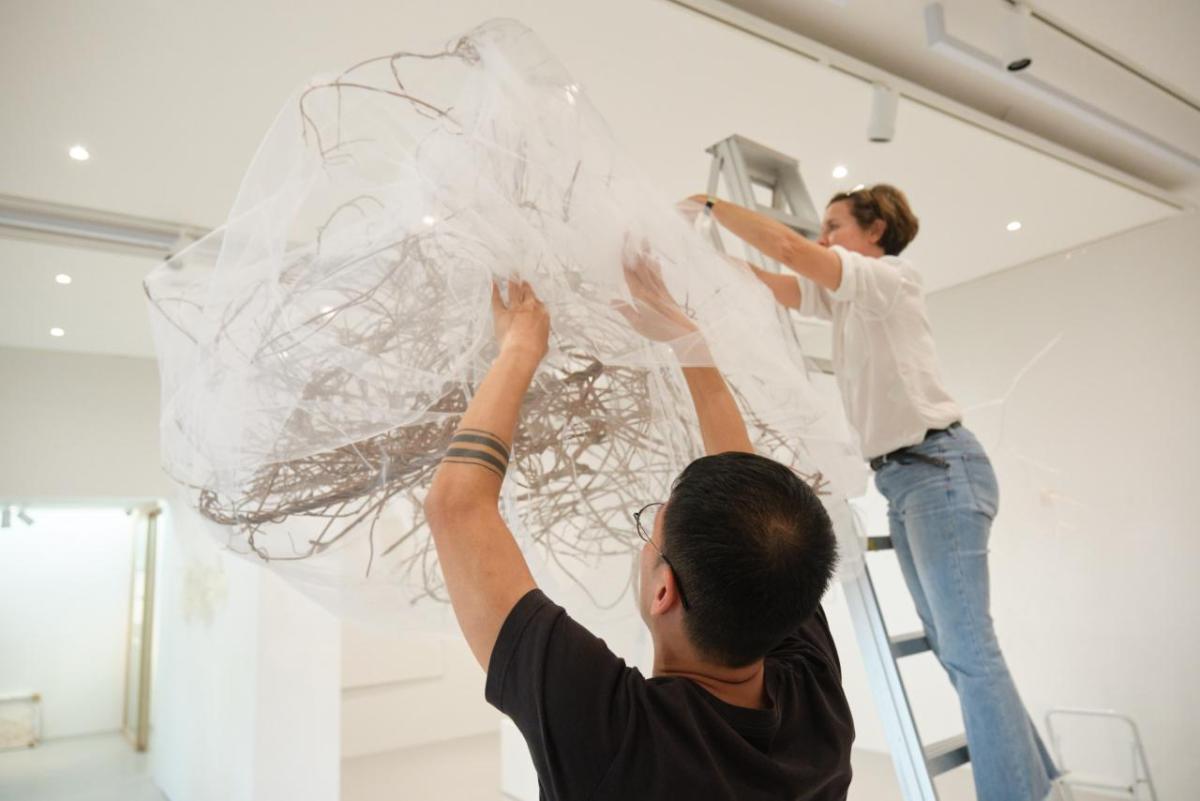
{"x": 939, "y": 484}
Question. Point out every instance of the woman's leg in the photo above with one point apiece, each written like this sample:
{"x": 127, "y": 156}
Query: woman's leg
{"x": 912, "y": 580}
{"x": 949, "y": 552}
{"x": 940, "y": 521}
{"x": 908, "y": 569}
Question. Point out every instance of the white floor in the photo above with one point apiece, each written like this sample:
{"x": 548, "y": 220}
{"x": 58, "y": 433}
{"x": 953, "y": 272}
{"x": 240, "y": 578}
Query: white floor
{"x": 106, "y": 768}
{"x": 102, "y": 767}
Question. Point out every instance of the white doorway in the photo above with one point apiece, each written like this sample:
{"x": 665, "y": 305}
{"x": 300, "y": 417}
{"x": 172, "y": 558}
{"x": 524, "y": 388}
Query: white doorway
{"x": 76, "y": 644}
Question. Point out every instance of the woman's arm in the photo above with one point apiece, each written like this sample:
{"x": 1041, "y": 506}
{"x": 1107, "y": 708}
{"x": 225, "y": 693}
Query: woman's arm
{"x": 785, "y": 288}
{"x": 778, "y": 242}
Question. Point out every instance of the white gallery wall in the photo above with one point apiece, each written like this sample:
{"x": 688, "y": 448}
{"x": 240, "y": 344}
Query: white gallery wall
{"x": 246, "y": 694}
{"x": 78, "y": 426}
{"x": 64, "y": 615}
{"x": 399, "y": 693}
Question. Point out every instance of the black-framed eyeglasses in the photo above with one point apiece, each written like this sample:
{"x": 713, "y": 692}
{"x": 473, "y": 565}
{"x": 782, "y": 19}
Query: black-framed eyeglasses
{"x": 645, "y": 535}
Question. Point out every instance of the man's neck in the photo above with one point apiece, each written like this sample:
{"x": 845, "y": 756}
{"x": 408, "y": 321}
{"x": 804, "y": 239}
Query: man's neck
{"x": 737, "y": 686}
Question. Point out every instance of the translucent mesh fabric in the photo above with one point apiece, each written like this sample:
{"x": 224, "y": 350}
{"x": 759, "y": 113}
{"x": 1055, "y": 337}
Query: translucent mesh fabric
{"x": 317, "y": 351}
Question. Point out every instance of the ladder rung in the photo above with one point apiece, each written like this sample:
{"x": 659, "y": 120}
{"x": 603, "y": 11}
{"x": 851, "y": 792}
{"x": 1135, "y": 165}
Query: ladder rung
{"x": 879, "y": 543}
{"x": 947, "y": 754}
{"x": 914, "y": 642}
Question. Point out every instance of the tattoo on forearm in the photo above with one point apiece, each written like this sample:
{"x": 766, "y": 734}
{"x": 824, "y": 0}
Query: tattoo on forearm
{"x": 479, "y": 437}
{"x": 480, "y": 448}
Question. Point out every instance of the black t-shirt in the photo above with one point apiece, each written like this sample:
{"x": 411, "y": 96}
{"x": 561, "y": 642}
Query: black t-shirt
{"x": 600, "y": 731}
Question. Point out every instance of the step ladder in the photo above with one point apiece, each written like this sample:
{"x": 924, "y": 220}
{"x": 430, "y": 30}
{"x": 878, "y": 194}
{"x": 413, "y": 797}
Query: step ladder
{"x": 744, "y": 165}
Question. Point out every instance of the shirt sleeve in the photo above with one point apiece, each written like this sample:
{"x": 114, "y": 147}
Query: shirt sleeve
{"x": 814, "y": 300}
{"x": 871, "y": 284}
{"x": 571, "y": 697}
{"x": 812, "y": 640}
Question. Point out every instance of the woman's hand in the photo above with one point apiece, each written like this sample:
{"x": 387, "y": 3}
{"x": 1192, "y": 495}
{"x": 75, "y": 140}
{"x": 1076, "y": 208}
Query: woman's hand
{"x": 654, "y": 313}
{"x": 691, "y": 207}
{"x": 523, "y": 324}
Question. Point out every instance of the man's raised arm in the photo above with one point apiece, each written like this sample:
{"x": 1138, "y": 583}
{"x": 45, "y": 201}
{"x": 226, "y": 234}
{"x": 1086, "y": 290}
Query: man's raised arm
{"x": 484, "y": 570}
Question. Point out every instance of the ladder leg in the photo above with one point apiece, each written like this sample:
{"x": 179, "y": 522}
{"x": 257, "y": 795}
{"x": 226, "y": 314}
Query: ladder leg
{"x": 714, "y": 180}
{"x": 714, "y": 175}
{"x": 908, "y": 755}
{"x": 739, "y": 180}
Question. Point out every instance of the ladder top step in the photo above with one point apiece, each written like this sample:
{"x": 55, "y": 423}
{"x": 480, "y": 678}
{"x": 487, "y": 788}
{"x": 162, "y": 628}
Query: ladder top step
{"x": 946, "y": 755}
{"x": 756, "y": 155}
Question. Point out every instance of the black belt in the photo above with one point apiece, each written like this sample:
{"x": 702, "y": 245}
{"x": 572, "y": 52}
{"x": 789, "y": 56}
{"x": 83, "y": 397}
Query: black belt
{"x": 907, "y": 456}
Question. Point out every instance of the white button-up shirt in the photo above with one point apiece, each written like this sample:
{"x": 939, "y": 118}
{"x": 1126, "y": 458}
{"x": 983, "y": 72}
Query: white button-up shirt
{"x": 883, "y": 352}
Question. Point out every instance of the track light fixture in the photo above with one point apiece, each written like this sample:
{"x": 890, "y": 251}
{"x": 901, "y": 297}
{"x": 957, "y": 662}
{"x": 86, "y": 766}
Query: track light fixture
{"x": 884, "y": 103}
{"x": 1016, "y": 53}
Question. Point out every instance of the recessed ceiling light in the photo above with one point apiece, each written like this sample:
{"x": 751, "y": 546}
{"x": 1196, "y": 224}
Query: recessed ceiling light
{"x": 429, "y": 219}
{"x": 79, "y": 153}
{"x": 57, "y": 332}
{"x": 62, "y": 278}
{"x": 1015, "y": 225}
{"x": 840, "y": 171}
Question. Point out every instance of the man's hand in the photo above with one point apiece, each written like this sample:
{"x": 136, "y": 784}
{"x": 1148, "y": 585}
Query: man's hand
{"x": 521, "y": 325}
{"x": 654, "y": 313}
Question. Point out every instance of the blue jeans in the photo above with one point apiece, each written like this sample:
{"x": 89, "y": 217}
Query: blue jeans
{"x": 940, "y": 519}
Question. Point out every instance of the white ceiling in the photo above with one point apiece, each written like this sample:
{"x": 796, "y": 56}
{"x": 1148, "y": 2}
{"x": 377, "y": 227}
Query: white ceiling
{"x": 172, "y": 99}
{"x": 1156, "y": 37}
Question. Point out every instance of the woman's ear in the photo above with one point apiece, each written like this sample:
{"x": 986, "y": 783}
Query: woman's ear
{"x": 876, "y": 231}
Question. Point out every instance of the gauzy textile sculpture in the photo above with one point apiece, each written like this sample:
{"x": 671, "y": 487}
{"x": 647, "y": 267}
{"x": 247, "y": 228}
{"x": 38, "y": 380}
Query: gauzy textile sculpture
{"x": 318, "y": 350}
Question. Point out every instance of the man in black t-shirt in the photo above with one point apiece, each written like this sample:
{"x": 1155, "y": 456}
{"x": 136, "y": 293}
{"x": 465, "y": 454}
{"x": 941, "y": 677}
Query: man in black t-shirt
{"x": 745, "y": 702}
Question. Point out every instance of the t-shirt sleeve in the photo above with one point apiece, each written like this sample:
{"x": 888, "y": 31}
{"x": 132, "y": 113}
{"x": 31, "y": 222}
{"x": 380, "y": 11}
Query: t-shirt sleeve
{"x": 811, "y": 640}
{"x": 873, "y": 285}
{"x": 571, "y": 697}
{"x": 814, "y": 300}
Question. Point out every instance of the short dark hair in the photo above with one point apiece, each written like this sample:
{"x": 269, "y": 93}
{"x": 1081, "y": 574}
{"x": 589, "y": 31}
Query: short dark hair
{"x": 754, "y": 549}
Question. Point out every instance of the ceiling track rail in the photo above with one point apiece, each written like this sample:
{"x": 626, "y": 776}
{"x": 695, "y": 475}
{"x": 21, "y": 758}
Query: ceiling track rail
{"x": 78, "y": 226}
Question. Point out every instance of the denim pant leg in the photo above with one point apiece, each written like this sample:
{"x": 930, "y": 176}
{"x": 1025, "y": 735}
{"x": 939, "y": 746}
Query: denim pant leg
{"x": 940, "y": 520}
{"x": 908, "y": 569}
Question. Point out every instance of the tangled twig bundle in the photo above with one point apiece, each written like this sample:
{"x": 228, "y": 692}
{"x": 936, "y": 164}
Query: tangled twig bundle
{"x": 319, "y": 351}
